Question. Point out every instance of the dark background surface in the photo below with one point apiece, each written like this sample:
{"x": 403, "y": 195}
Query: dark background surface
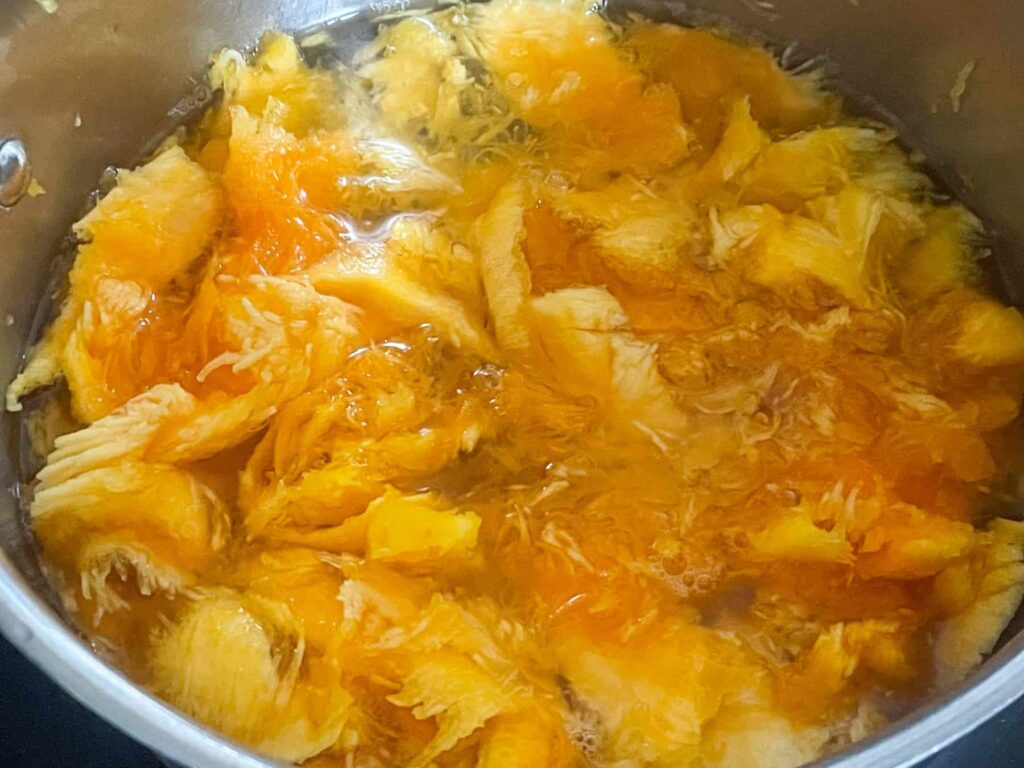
{"x": 44, "y": 728}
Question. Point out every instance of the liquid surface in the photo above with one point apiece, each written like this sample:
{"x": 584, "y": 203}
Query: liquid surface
{"x": 533, "y": 391}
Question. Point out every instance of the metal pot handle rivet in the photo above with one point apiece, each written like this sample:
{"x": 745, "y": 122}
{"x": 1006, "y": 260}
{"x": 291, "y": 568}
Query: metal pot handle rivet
{"x": 15, "y": 172}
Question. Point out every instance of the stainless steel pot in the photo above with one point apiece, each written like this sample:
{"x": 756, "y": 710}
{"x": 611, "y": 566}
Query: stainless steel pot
{"x": 95, "y": 82}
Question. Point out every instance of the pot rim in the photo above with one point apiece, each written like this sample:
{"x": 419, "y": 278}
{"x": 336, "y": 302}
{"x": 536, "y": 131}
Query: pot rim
{"x": 40, "y": 634}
